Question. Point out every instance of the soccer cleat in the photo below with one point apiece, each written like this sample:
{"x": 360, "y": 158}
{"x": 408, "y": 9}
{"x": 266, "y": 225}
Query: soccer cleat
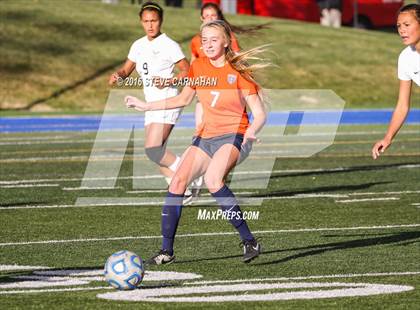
{"x": 196, "y": 186}
{"x": 188, "y": 196}
{"x": 161, "y": 258}
{"x": 252, "y": 249}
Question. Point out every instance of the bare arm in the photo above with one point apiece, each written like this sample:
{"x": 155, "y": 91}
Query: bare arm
{"x": 398, "y": 118}
{"x": 259, "y": 114}
{"x": 179, "y": 101}
{"x": 123, "y": 72}
{"x": 183, "y": 67}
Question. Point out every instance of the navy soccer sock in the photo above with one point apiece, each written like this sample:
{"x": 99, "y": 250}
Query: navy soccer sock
{"x": 229, "y": 205}
{"x": 171, "y": 212}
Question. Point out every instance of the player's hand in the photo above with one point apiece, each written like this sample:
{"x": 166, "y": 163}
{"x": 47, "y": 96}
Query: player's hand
{"x": 380, "y": 147}
{"x": 161, "y": 82}
{"x": 114, "y": 78}
{"x": 250, "y": 136}
{"x": 137, "y": 104}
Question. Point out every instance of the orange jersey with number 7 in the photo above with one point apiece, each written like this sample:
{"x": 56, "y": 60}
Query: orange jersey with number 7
{"x": 224, "y": 105}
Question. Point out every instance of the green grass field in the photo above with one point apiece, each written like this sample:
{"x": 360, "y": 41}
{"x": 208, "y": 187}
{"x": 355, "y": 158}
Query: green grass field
{"x": 339, "y": 230}
{"x": 56, "y": 56}
{"x": 335, "y": 217}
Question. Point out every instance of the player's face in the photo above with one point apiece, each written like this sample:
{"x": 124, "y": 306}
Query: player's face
{"x": 209, "y": 15}
{"x": 213, "y": 42}
{"x": 408, "y": 28}
{"x": 151, "y": 23}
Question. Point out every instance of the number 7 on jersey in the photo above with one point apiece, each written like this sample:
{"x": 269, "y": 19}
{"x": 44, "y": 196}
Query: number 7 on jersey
{"x": 216, "y": 95}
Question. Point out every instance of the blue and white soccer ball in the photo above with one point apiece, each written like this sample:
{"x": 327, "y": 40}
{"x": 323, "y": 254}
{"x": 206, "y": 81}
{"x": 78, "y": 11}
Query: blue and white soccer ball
{"x": 124, "y": 270}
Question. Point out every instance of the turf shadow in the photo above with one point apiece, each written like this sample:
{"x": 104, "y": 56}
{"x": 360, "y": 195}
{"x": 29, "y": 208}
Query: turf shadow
{"x": 320, "y": 248}
{"x": 321, "y": 189}
{"x": 15, "y": 204}
{"x": 196, "y": 260}
{"x": 358, "y": 243}
{"x": 316, "y": 190}
{"x": 332, "y": 172}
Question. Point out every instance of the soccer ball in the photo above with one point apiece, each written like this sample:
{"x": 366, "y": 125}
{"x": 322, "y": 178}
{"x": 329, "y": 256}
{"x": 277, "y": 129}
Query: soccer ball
{"x": 124, "y": 270}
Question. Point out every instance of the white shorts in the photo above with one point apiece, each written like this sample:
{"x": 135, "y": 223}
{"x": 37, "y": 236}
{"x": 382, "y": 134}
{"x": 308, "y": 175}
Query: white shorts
{"x": 162, "y": 116}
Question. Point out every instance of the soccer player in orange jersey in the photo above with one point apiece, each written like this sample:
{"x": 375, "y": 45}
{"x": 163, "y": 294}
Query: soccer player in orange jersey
{"x": 221, "y": 137}
{"x": 209, "y": 12}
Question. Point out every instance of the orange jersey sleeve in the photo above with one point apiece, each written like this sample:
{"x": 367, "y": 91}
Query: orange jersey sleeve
{"x": 195, "y": 47}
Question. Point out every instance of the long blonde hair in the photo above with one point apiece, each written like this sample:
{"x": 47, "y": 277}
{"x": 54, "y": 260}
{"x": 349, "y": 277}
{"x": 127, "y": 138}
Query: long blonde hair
{"x": 240, "y": 60}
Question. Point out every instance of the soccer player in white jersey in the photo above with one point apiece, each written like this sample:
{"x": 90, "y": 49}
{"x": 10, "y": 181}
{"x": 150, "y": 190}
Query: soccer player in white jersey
{"x": 155, "y": 56}
{"x": 408, "y": 24}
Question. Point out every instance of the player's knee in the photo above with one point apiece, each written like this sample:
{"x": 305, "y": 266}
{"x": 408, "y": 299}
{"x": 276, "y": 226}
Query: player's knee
{"x": 213, "y": 183}
{"x": 178, "y": 184}
{"x": 155, "y": 153}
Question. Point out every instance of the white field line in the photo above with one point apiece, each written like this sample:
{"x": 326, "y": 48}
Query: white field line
{"x": 269, "y": 145}
{"x": 210, "y": 234}
{"x": 91, "y": 205}
{"x": 254, "y": 172}
{"x": 383, "y": 193}
{"x": 347, "y": 155}
{"x": 18, "y": 267}
{"x": 28, "y": 185}
{"x": 237, "y": 193}
{"x": 67, "y": 139}
{"x": 416, "y": 204}
{"x": 165, "y": 191}
{"x": 136, "y": 202}
{"x": 254, "y": 155}
{"x": 409, "y": 166}
{"x": 89, "y": 188}
{"x": 368, "y": 199}
{"x": 175, "y": 147}
{"x": 78, "y": 179}
{"x": 42, "y": 137}
{"x": 131, "y": 202}
{"x": 6, "y": 292}
{"x": 332, "y": 276}
{"x": 147, "y": 191}
{"x": 302, "y": 196}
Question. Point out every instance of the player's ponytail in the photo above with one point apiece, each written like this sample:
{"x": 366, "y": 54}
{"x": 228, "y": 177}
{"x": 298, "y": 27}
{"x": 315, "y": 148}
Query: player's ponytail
{"x": 240, "y": 60}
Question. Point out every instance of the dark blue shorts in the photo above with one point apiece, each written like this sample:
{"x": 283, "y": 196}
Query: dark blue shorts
{"x": 211, "y": 145}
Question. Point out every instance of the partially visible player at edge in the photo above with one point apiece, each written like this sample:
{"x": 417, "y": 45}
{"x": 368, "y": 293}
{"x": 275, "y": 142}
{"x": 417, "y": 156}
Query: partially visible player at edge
{"x": 209, "y": 12}
{"x": 154, "y": 56}
{"x": 220, "y": 139}
{"x": 408, "y": 24}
